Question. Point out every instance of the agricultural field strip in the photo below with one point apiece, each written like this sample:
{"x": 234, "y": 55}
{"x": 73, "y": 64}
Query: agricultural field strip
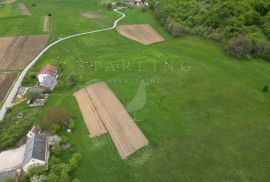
{"x": 124, "y": 132}
{"x": 8, "y": 101}
{"x": 90, "y": 115}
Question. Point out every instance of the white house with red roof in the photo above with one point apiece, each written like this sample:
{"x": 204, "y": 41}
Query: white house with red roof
{"x": 47, "y": 71}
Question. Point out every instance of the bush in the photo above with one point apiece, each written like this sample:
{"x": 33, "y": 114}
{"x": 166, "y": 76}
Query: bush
{"x": 240, "y": 46}
{"x": 56, "y": 149}
{"x": 71, "y": 80}
{"x": 57, "y": 115}
{"x": 265, "y": 89}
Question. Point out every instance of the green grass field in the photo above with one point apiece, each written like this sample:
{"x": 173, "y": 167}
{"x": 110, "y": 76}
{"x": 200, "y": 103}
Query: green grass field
{"x": 206, "y": 120}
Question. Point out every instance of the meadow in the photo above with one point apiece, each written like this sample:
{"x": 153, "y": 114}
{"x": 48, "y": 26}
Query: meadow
{"x": 206, "y": 117}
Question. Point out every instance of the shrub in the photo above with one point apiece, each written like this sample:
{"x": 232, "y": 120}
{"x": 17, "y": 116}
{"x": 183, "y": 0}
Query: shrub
{"x": 265, "y": 89}
{"x": 240, "y": 46}
{"x": 71, "y": 80}
{"x": 57, "y": 115}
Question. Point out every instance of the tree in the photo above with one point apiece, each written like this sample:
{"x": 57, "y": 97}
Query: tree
{"x": 36, "y": 178}
{"x": 57, "y": 115}
{"x": 74, "y": 161}
{"x": 75, "y": 180}
{"x": 52, "y": 177}
{"x": 57, "y": 149}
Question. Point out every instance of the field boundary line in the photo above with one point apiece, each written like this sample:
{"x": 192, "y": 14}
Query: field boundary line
{"x": 8, "y": 102}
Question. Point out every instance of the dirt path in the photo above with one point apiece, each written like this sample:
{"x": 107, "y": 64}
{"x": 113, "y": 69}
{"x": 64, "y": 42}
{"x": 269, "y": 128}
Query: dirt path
{"x": 24, "y": 10}
{"x": 46, "y": 24}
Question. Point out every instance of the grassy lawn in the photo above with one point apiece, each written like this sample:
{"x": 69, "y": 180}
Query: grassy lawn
{"x": 206, "y": 120}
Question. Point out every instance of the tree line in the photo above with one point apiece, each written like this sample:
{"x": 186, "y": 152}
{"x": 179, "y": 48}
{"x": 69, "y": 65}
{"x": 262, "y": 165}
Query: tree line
{"x": 242, "y": 26}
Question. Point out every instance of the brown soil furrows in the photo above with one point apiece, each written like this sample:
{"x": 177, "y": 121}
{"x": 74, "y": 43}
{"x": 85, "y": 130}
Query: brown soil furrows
{"x": 144, "y": 33}
{"x": 92, "y": 15}
{"x": 7, "y": 1}
{"x": 24, "y": 10}
{"x": 46, "y": 24}
{"x": 17, "y": 52}
{"x": 124, "y": 132}
{"x": 6, "y": 80}
{"x": 90, "y": 115}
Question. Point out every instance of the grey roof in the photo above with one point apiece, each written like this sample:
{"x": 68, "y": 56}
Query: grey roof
{"x": 48, "y": 82}
{"x": 36, "y": 147}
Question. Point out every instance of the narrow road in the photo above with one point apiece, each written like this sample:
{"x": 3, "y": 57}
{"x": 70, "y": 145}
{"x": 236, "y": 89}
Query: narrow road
{"x": 8, "y": 102}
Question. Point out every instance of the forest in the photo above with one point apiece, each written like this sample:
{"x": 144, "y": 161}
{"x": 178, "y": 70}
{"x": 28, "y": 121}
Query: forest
{"x": 243, "y": 27}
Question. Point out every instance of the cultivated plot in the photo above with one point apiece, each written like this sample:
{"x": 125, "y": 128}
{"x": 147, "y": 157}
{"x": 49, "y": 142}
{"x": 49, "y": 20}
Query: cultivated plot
{"x": 143, "y": 34}
{"x": 46, "y": 24}
{"x": 92, "y": 15}
{"x": 17, "y": 52}
{"x": 6, "y": 80}
{"x": 24, "y": 10}
{"x": 124, "y": 132}
{"x": 90, "y": 115}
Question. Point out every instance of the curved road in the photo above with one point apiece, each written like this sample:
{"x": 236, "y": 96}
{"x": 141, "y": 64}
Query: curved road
{"x": 18, "y": 82}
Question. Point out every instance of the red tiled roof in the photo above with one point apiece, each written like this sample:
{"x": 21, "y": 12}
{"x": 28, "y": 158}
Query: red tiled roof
{"x": 48, "y": 69}
{"x": 35, "y": 129}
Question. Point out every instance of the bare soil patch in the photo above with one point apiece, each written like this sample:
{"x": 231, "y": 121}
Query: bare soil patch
{"x": 24, "y": 10}
{"x": 124, "y": 132}
{"x": 46, "y": 24}
{"x": 17, "y": 52}
{"x": 92, "y": 15}
{"x": 6, "y": 81}
{"x": 7, "y": 1}
{"x": 11, "y": 159}
{"x": 90, "y": 115}
{"x": 143, "y": 34}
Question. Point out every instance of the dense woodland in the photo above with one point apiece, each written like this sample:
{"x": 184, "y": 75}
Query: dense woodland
{"x": 242, "y": 26}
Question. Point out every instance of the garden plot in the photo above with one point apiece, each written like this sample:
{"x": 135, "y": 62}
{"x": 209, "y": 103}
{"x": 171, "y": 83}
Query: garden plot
{"x": 143, "y": 34}
{"x": 124, "y": 132}
{"x": 17, "y": 52}
{"x": 24, "y": 10}
{"x": 6, "y": 81}
{"x": 90, "y": 115}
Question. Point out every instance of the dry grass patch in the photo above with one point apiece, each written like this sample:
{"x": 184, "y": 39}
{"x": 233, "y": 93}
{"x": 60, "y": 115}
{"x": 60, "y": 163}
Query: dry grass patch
{"x": 24, "y": 10}
{"x": 6, "y": 81}
{"x": 92, "y": 15}
{"x": 143, "y": 34}
{"x": 17, "y": 52}
{"x": 46, "y": 24}
{"x": 7, "y": 1}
